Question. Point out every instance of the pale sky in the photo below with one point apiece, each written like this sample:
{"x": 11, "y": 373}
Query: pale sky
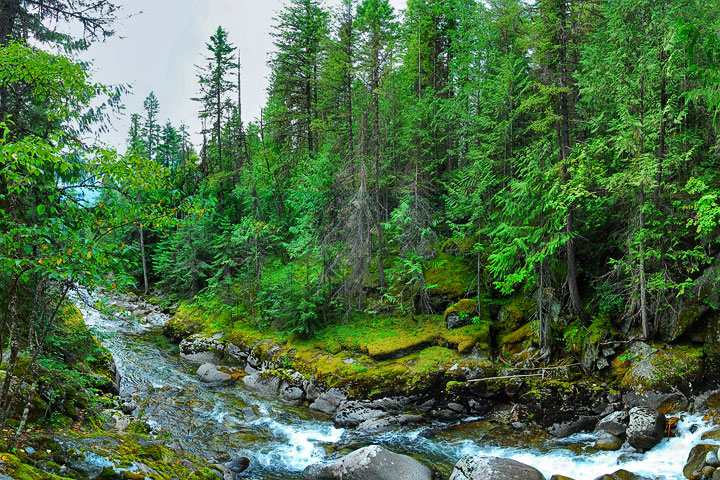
{"x": 157, "y": 48}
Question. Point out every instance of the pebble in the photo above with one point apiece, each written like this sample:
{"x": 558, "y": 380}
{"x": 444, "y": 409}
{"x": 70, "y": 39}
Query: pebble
{"x": 707, "y": 470}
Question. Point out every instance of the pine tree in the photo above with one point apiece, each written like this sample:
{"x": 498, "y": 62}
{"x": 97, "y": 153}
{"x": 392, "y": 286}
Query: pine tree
{"x": 151, "y": 128}
{"x": 299, "y": 40}
{"x": 216, "y": 86}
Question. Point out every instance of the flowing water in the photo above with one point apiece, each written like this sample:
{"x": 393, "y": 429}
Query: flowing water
{"x": 283, "y": 440}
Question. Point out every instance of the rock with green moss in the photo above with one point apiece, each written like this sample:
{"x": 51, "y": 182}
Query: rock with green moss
{"x": 515, "y": 313}
{"x": 450, "y": 279}
{"x": 461, "y": 314}
{"x": 658, "y": 367}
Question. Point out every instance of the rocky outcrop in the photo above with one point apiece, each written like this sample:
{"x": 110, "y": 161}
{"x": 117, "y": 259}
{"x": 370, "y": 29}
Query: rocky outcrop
{"x": 370, "y": 463}
{"x": 646, "y": 428}
{"x": 202, "y": 349}
{"x": 494, "y": 468}
{"x": 646, "y": 368}
{"x": 328, "y": 402}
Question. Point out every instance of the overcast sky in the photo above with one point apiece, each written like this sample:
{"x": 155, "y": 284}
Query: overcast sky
{"x": 159, "y": 42}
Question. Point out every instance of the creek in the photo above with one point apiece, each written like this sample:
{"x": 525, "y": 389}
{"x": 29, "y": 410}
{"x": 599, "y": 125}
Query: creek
{"x": 283, "y": 440}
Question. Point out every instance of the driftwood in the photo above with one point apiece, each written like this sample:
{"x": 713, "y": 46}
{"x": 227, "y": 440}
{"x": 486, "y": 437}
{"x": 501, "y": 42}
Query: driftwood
{"x": 541, "y": 374}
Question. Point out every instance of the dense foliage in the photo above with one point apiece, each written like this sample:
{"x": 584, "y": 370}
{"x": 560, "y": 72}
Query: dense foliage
{"x": 572, "y": 144}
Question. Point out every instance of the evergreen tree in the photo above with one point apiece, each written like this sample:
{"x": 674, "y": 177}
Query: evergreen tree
{"x": 215, "y": 86}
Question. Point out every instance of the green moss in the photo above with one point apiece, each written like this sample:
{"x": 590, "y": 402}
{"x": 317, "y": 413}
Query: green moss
{"x": 659, "y": 367}
{"x": 458, "y": 246}
{"x": 516, "y": 312}
{"x": 18, "y": 470}
{"x": 450, "y": 276}
{"x": 465, "y": 307}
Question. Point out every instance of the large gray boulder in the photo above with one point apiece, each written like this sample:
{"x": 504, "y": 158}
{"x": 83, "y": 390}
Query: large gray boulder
{"x": 264, "y": 384}
{"x": 646, "y": 428}
{"x": 208, "y": 373}
{"x": 494, "y": 468}
{"x": 370, "y": 463}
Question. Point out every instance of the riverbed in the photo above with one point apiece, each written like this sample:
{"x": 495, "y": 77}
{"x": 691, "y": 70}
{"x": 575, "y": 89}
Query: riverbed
{"x": 282, "y": 440}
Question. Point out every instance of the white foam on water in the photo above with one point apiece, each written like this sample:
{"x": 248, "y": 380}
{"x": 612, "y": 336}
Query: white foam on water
{"x": 664, "y": 462}
{"x": 299, "y": 448}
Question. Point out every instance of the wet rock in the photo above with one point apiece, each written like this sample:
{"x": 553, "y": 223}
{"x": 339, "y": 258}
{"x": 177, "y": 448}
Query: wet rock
{"x": 667, "y": 403}
{"x": 208, "y": 373}
{"x": 696, "y": 460}
{"x": 646, "y": 428}
{"x": 353, "y": 413}
{"x": 267, "y": 385}
{"x": 708, "y": 401}
{"x": 712, "y": 459}
{"x": 707, "y": 470}
{"x": 621, "y": 475}
{"x": 608, "y": 442}
{"x": 250, "y": 414}
{"x": 616, "y": 423}
{"x": 572, "y": 427}
{"x": 370, "y": 463}
{"x": 328, "y": 402}
{"x": 201, "y": 349}
{"x": 493, "y": 468}
{"x": 560, "y": 477}
{"x": 238, "y": 465}
{"x": 128, "y": 406}
{"x": 385, "y": 424}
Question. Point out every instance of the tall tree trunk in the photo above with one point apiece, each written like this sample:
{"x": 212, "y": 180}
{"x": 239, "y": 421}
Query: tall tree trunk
{"x": 643, "y": 279}
{"x": 564, "y": 139}
{"x": 376, "y": 134}
{"x": 9, "y": 13}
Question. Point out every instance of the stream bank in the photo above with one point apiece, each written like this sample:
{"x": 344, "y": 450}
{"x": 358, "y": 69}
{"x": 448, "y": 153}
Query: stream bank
{"x": 172, "y": 416}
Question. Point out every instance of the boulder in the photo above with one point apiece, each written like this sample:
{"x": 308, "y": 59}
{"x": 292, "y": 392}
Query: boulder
{"x": 328, "y": 402}
{"x": 461, "y": 313}
{"x": 646, "y": 368}
{"x": 616, "y": 423}
{"x": 572, "y": 427}
{"x": 267, "y": 385}
{"x": 670, "y": 403}
{"x": 370, "y": 463}
{"x": 208, "y": 373}
{"x": 238, "y": 465}
{"x": 353, "y": 413}
{"x": 493, "y": 468}
{"x": 646, "y": 428}
{"x": 608, "y": 442}
{"x": 201, "y": 349}
{"x": 385, "y": 424}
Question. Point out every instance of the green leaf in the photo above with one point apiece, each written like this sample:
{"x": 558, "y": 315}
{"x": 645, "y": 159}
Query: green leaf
{"x": 41, "y": 209}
